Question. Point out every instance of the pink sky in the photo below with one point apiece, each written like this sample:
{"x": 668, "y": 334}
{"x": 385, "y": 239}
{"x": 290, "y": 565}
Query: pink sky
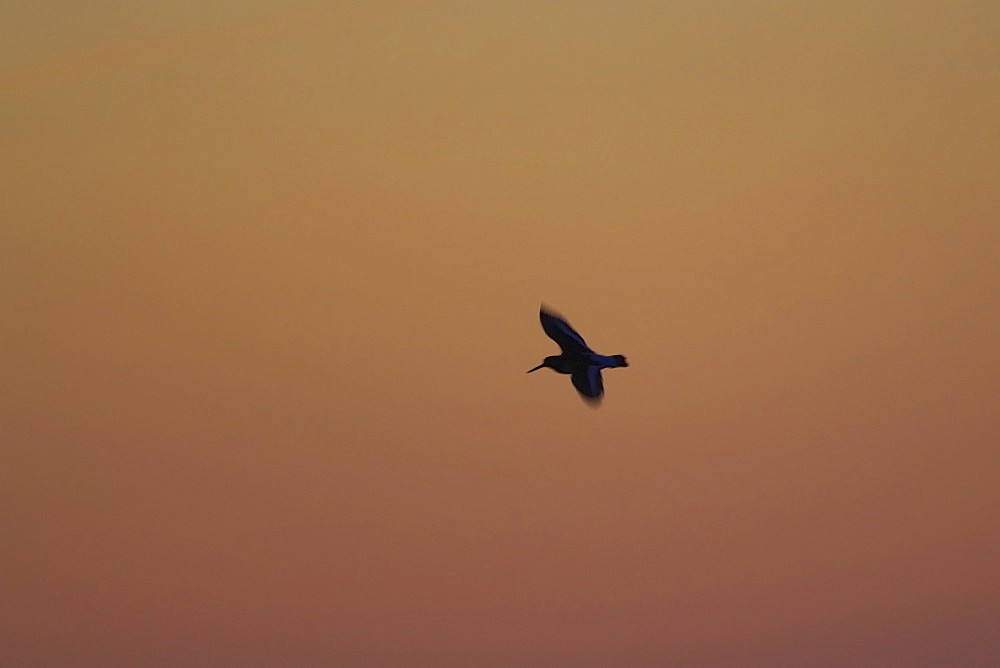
{"x": 270, "y": 275}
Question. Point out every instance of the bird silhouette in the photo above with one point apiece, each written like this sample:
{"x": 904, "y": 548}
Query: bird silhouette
{"x": 577, "y": 359}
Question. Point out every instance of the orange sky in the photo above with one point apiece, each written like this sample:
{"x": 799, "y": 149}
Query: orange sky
{"x": 270, "y": 275}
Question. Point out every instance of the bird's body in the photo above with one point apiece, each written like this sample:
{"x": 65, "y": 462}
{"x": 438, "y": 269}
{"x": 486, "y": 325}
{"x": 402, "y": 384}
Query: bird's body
{"x": 577, "y": 359}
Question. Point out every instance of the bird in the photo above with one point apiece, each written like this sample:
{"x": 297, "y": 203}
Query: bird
{"x": 577, "y": 359}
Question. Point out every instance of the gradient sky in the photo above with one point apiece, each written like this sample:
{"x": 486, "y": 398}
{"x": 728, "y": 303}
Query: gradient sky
{"x": 269, "y": 280}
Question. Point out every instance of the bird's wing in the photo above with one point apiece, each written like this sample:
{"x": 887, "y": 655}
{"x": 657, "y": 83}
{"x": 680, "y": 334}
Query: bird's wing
{"x": 588, "y": 383}
{"x": 560, "y": 332}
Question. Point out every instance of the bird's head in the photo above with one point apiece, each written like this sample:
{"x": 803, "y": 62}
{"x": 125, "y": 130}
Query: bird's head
{"x": 621, "y": 360}
{"x": 547, "y": 362}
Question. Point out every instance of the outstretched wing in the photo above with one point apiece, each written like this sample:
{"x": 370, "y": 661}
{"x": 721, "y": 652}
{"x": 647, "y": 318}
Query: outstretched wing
{"x": 560, "y": 332}
{"x": 588, "y": 383}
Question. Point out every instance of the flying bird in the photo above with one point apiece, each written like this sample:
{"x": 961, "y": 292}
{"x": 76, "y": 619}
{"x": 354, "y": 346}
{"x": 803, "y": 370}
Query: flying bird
{"x": 577, "y": 359}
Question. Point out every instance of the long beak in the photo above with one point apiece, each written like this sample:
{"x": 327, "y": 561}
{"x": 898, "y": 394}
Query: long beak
{"x": 536, "y": 368}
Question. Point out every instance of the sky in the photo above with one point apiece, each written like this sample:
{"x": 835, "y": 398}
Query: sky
{"x": 269, "y": 280}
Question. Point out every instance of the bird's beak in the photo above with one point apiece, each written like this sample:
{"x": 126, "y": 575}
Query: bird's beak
{"x": 537, "y": 367}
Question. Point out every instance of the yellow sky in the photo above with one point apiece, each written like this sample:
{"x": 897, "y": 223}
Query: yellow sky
{"x": 270, "y": 275}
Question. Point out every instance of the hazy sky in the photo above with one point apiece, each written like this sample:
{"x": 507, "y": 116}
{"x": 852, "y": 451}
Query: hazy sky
{"x": 269, "y": 282}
